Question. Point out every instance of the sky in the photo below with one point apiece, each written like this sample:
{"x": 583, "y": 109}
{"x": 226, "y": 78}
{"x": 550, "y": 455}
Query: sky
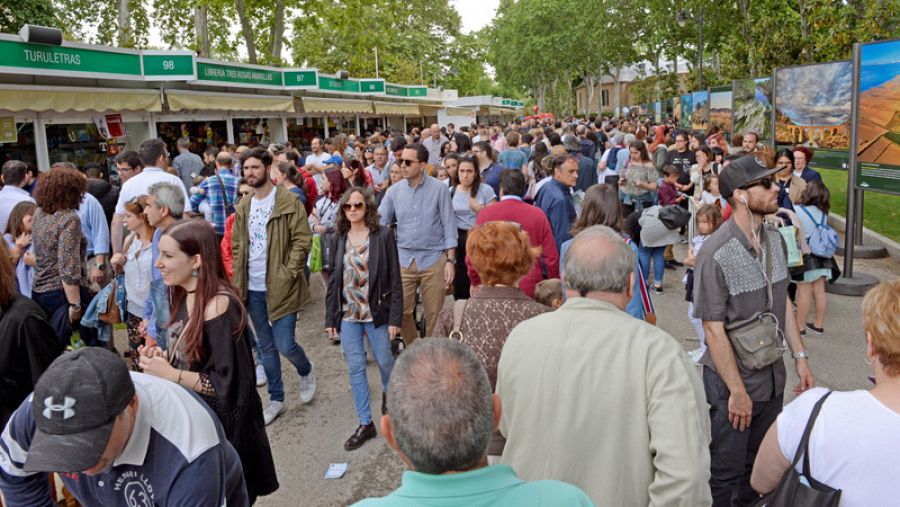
{"x": 475, "y": 14}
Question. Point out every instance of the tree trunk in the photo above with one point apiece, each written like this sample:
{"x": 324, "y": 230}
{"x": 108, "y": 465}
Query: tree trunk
{"x": 125, "y": 38}
{"x": 744, "y": 6}
{"x": 806, "y": 55}
{"x": 277, "y": 32}
{"x": 201, "y": 26}
{"x": 617, "y": 102}
{"x": 246, "y": 30}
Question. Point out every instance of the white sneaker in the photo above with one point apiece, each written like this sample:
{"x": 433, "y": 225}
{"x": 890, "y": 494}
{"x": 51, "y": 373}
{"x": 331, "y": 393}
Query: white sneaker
{"x": 308, "y": 385}
{"x": 275, "y": 409}
{"x": 260, "y": 376}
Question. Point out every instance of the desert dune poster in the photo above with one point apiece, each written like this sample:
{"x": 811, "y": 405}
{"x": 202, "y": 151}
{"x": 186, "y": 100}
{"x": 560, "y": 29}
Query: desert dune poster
{"x": 720, "y": 109}
{"x": 878, "y": 149}
{"x": 700, "y": 111}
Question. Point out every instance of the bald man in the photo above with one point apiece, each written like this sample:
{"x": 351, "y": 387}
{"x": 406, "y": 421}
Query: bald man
{"x": 433, "y": 142}
{"x": 605, "y": 377}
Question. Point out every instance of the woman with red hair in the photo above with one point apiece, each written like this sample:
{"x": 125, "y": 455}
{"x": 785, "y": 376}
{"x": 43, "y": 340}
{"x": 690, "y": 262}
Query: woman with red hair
{"x": 802, "y": 157}
{"x": 209, "y": 346}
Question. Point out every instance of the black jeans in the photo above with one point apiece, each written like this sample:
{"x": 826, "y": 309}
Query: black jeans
{"x": 733, "y": 452}
{"x": 461, "y": 282}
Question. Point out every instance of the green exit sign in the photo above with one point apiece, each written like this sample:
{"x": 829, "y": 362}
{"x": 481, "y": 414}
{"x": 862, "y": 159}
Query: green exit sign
{"x": 168, "y": 66}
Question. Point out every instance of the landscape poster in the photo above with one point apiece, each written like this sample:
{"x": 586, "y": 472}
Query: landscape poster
{"x": 657, "y": 110}
{"x": 686, "y": 110}
{"x": 676, "y": 111}
{"x": 700, "y": 112}
{"x": 878, "y": 125}
{"x": 812, "y": 108}
{"x": 720, "y": 110}
{"x": 752, "y": 107}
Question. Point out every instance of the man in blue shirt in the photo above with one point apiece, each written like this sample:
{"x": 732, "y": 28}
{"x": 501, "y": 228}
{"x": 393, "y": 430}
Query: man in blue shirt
{"x": 442, "y": 416}
{"x": 220, "y": 190}
{"x": 555, "y": 198}
{"x": 490, "y": 170}
{"x": 513, "y": 157}
{"x": 165, "y": 206}
{"x": 116, "y": 439}
{"x": 426, "y": 237}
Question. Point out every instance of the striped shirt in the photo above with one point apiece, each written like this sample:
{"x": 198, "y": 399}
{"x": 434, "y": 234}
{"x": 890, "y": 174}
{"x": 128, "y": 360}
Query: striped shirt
{"x": 210, "y": 189}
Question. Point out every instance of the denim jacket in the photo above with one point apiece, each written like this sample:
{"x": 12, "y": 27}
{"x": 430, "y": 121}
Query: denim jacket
{"x": 99, "y": 304}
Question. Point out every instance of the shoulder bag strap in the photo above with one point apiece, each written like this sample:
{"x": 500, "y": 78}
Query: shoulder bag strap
{"x": 459, "y": 308}
{"x": 803, "y": 447}
{"x": 769, "y": 268}
{"x": 224, "y": 190}
{"x": 642, "y": 286}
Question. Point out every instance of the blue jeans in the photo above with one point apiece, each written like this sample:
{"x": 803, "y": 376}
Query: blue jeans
{"x": 353, "y": 346}
{"x": 275, "y": 337}
{"x": 159, "y": 297}
{"x": 659, "y": 264}
{"x": 54, "y": 301}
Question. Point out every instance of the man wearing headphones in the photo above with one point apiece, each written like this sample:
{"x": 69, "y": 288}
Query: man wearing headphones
{"x": 740, "y": 276}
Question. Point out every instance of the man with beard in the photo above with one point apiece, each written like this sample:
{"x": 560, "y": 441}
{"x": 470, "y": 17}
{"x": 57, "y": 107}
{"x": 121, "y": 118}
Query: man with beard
{"x": 269, "y": 243}
{"x": 740, "y": 273}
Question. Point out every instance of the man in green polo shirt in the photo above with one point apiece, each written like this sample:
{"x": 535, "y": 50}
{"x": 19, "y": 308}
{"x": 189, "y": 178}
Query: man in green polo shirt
{"x": 442, "y": 414}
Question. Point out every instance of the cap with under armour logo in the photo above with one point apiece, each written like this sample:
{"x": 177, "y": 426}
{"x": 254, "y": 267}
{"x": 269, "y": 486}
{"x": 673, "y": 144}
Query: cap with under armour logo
{"x": 75, "y": 404}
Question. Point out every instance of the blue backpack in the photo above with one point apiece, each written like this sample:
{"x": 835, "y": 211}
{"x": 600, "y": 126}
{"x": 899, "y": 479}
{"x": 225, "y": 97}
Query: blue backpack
{"x": 823, "y": 241}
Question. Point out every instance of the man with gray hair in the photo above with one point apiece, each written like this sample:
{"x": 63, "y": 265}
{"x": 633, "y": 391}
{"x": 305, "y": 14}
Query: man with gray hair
{"x": 602, "y": 400}
{"x": 187, "y": 165}
{"x": 441, "y": 418}
{"x": 165, "y": 206}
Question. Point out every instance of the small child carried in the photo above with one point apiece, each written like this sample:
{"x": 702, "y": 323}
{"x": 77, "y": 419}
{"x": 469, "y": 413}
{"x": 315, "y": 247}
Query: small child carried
{"x": 709, "y": 219}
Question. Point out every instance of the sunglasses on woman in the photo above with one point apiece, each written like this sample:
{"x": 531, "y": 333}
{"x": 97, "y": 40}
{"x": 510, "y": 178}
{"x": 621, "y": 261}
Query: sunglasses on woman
{"x": 352, "y": 206}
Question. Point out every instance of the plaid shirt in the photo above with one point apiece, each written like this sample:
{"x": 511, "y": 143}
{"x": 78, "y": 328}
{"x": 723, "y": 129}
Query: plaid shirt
{"x": 210, "y": 189}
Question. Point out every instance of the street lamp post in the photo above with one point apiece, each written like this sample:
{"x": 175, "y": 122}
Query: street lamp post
{"x": 682, "y": 18}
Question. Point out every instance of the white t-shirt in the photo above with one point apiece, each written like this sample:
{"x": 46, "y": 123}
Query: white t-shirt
{"x": 852, "y": 446}
{"x": 260, "y": 211}
{"x": 138, "y": 186}
{"x": 313, "y": 159}
{"x": 137, "y": 277}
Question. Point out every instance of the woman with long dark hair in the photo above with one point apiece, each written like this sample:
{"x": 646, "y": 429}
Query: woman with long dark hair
{"x": 638, "y": 180}
{"x": 209, "y": 346}
{"x": 364, "y": 298}
{"x": 18, "y": 239}
{"x": 355, "y": 173}
{"x": 287, "y": 175}
{"x": 468, "y": 198}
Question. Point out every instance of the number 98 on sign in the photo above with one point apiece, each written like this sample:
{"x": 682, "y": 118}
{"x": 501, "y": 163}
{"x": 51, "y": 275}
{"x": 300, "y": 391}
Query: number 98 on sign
{"x": 168, "y": 66}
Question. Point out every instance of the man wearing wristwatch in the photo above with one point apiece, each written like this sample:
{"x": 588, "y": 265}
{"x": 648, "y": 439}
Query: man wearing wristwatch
{"x": 731, "y": 280}
{"x": 426, "y": 237}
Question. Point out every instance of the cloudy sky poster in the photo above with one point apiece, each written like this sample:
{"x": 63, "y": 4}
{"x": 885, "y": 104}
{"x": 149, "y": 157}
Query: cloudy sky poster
{"x": 815, "y": 94}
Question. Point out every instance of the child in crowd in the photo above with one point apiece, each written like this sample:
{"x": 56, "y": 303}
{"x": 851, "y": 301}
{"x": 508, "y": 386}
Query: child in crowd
{"x": 668, "y": 194}
{"x": 549, "y": 292}
{"x": 711, "y": 195}
{"x": 442, "y": 173}
{"x": 709, "y": 218}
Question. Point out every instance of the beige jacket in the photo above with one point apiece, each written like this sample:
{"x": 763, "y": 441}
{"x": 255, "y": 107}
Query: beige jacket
{"x": 609, "y": 403}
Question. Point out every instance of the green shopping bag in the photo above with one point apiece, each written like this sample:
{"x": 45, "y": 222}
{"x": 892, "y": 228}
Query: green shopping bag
{"x": 792, "y": 244}
{"x": 315, "y": 254}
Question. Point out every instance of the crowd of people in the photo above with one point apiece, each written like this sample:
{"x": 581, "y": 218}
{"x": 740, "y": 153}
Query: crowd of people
{"x": 500, "y": 276}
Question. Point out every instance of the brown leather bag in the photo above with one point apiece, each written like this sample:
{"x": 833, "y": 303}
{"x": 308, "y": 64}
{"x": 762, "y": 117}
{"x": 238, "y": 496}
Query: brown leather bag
{"x": 111, "y": 316}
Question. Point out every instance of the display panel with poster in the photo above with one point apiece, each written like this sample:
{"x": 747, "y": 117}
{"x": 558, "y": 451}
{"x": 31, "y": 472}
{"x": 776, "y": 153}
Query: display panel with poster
{"x": 23, "y": 146}
{"x": 657, "y": 110}
{"x": 752, "y": 107}
{"x": 676, "y": 111}
{"x": 878, "y": 118}
{"x": 700, "y": 111}
{"x": 720, "y": 110}
{"x": 668, "y": 109}
{"x": 812, "y": 108}
{"x": 686, "y": 109}
{"x": 202, "y": 134}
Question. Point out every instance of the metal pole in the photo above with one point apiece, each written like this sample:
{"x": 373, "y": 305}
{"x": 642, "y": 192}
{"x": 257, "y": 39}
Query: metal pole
{"x": 700, "y": 53}
{"x": 860, "y": 199}
{"x": 850, "y": 229}
{"x": 376, "y": 62}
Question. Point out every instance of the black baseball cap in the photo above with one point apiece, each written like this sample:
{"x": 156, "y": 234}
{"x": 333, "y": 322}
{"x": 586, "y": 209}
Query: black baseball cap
{"x": 742, "y": 172}
{"x": 75, "y": 405}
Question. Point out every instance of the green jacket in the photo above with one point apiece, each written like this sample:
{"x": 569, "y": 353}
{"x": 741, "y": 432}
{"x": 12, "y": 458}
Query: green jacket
{"x": 289, "y": 242}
